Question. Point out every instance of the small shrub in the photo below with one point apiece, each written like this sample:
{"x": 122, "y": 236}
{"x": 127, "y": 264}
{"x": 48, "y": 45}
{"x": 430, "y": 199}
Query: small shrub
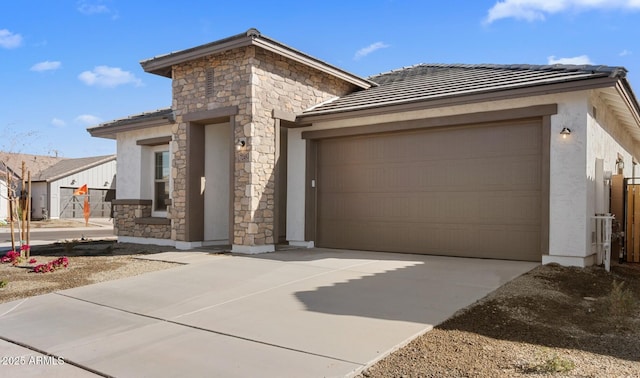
{"x": 621, "y": 301}
{"x": 553, "y": 364}
{"x": 12, "y": 257}
{"x": 52, "y": 265}
{"x": 68, "y": 245}
{"x": 3, "y": 283}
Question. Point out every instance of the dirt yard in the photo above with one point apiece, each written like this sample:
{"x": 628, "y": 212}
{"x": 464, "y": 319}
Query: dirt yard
{"x": 89, "y": 262}
{"x": 553, "y": 321}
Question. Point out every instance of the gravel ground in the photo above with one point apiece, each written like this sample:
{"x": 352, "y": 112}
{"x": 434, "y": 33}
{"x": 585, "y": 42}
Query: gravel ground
{"x": 552, "y": 321}
{"x": 88, "y": 263}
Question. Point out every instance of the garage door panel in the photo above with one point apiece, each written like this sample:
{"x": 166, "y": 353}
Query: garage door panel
{"x": 469, "y": 191}
{"x": 504, "y": 242}
{"x": 449, "y": 207}
{"x": 401, "y": 147}
{"x": 459, "y": 174}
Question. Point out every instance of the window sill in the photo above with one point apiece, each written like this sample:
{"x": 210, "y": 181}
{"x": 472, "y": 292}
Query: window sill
{"x": 152, "y": 220}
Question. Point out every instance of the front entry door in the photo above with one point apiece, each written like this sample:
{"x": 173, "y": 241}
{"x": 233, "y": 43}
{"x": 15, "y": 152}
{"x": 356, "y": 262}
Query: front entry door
{"x": 216, "y": 183}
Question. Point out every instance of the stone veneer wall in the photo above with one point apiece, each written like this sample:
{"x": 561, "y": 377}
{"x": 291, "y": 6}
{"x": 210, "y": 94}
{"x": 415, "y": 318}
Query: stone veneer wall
{"x": 133, "y": 218}
{"x": 257, "y": 82}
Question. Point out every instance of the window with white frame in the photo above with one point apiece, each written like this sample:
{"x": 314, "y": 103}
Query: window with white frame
{"x": 161, "y": 180}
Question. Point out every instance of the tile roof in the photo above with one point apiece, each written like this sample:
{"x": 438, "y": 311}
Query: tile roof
{"x": 68, "y": 167}
{"x": 425, "y": 82}
{"x": 108, "y": 129}
{"x": 33, "y": 163}
{"x": 166, "y": 113}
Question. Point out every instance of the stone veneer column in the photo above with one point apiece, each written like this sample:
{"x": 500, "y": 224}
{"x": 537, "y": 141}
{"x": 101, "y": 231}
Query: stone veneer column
{"x": 256, "y": 82}
{"x": 177, "y": 210}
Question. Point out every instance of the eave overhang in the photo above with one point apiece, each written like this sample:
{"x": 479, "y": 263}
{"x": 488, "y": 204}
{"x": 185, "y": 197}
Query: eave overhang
{"x": 624, "y": 105}
{"x": 110, "y": 130}
{"x": 453, "y": 99}
{"x": 163, "y": 65}
{"x": 79, "y": 169}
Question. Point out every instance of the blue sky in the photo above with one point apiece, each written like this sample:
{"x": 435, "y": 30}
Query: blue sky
{"x": 69, "y": 64}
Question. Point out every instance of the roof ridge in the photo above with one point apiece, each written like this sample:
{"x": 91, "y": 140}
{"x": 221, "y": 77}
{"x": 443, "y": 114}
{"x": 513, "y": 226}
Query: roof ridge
{"x": 613, "y": 71}
{"x": 70, "y": 166}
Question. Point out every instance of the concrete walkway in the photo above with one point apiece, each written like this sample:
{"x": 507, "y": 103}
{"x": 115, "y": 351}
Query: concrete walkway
{"x": 300, "y": 313}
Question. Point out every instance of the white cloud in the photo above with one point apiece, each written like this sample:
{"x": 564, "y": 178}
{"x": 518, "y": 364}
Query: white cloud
{"x": 46, "y": 66}
{"x": 369, "y": 49}
{"x": 577, "y": 60}
{"x": 88, "y": 119}
{"x": 93, "y": 7}
{"x": 537, "y": 10}
{"x": 109, "y": 77}
{"x": 9, "y": 40}
{"x": 87, "y": 7}
{"x": 625, "y": 52}
{"x": 57, "y": 122}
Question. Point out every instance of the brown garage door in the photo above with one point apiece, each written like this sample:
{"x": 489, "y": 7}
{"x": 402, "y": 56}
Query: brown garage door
{"x": 464, "y": 191}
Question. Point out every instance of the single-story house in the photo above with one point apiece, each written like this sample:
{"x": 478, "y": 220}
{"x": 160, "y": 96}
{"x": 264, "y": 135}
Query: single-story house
{"x": 53, "y": 181}
{"x": 264, "y": 144}
{"x": 11, "y": 163}
{"x": 52, "y": 188}
{"x": 4, "y": 196}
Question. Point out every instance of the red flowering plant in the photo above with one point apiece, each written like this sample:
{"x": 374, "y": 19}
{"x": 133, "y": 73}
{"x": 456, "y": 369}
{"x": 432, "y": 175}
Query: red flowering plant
{"x": 52, "y": 265}
{"x": 12, "y": 257}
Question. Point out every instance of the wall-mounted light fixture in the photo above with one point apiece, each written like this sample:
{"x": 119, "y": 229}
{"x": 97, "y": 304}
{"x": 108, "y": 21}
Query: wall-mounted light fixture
{"x": 106, "y": 183}
{"x": 241, "y": 143}
{"x": 620, "y": 164}
{"x": 73, "y": 182}
{"x": 565, "y": 132}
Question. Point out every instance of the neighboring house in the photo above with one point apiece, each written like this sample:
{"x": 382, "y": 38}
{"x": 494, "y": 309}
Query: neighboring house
{"x": 265, "y": 144}
{"x": 53, "y": 181}
{"x": 52, "y": 188}
{"x": 12, "y": 163}
{"x": 4, "y": 204}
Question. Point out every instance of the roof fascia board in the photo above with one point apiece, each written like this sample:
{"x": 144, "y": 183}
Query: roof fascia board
{"x": 534, "y": 111}
{"x": 162, "y": 63}
{"x": 304, "y": 121}
{"x": 80, "y": 169}
{"x": 110, "y": 132}
{"x": 624, "y": 90}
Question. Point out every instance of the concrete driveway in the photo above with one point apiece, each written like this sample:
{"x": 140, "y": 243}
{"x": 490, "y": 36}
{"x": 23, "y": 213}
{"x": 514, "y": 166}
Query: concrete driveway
{"x": 297, "y": 313}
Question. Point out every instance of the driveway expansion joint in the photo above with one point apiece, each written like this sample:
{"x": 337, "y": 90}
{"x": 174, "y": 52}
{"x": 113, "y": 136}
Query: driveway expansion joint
{"x": 208, "y": 330}
{"x": 66, "y": 361}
